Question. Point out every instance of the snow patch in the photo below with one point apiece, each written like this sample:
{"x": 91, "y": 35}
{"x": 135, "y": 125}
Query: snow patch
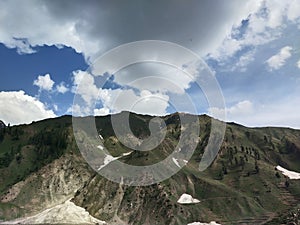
{"x": 185, "y": 161}
{"x": 100, "y": 147}
{"x": 126, "y": 153}
{"x": 176, "y": 162}
{"x": 187, "y": 199}
{"x": 290, "y": 174}
{"x": 66, "y": 213}
{"x": 198, "y": 223}
{"x": 108, "y": 159}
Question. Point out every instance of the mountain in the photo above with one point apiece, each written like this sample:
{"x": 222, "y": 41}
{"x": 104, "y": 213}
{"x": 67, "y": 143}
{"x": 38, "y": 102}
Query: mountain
{"x": 41, "y": 169}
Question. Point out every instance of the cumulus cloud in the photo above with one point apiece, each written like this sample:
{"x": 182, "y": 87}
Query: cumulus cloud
{"x": 244, "y": 61}
{"x": 239, "y": 110}
{"x": 277, "y": 61}
{"x": 84, "y": 86}
{"x": 61, "y": 88}
{"x": 115, "y": 100}
{"x": 144, "y": 102}
{"x": 293, "y": 10}
{"x": 44, "y": 82}
{"x": 18, "y": 108}
{"x": 101, "y": 112}
{"x": 264, "y": 24}
{"x": 298, "y": 64}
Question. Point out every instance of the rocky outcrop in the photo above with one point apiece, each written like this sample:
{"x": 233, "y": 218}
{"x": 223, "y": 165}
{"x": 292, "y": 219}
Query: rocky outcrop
{"x": 50, "y": 186}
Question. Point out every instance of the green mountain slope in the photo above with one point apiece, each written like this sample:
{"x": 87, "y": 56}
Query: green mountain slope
{"x": 41, "y": 166}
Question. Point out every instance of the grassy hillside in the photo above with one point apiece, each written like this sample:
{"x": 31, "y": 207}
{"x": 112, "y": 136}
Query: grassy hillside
{"x": 40, "y": 165}
{"x": 27, "y": 148}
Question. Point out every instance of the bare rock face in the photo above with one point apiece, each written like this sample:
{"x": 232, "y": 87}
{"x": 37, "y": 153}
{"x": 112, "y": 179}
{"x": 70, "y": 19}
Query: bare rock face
{"x": 52, "y": 185}
{"x": 121, "y": 204}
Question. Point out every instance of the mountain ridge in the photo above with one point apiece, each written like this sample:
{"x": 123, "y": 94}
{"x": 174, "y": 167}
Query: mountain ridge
{"x": 241, "y": 183}
{"x": 170, "y": 114}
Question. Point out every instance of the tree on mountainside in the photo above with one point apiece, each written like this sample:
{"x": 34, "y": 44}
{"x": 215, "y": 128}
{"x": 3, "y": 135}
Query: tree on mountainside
{"x": 256, "y": 167}
{"x": 287, "y": 183}
{"x": 242, "y": 162}
{"x": 2, "y": 134}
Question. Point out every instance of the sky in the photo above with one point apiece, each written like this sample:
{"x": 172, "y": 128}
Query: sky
{"x": 252, "y": 48}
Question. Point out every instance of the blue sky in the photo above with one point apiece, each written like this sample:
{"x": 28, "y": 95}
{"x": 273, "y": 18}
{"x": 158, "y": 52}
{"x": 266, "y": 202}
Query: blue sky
{"x": 20, "y": 70}
{"x": 252, "y": 48}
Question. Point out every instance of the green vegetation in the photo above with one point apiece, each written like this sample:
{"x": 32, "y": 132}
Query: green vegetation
{"x": 241, "y": 184}
{"x": 27, "y": 148}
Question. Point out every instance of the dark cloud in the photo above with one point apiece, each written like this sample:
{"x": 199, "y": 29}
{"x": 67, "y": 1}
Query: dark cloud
{"x": 195, "y": 24}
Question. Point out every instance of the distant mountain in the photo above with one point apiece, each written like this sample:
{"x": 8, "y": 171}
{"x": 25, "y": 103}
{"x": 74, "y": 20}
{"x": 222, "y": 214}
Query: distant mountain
{"x": 41, "y": 168}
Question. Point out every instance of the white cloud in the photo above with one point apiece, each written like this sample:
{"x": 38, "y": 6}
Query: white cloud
{"x": 145, "y": 102}
{"x": 237, "y": 111}
{"x": 255, "y": 34}
{"x": 55, "y": 107}
{"x": 265, "y": 24}
{"x": 115, "y": 100}
{"x": 18, "y": 107}
{"x": 118, "y": 100}
{"x": 268, "y": 114}
{"x": 241, "y": 108}
{"x": 44, "y": 82}
{"x": 158, "y": 77}
{"x": 243, "y": 61}
{"x": 84, "y": 86}
{"x": 298, "y": 64}
{"x": 277, "y": 61}
{"x": 276, "y": 12}
{"x": 101, "y": 112}
{"x": 61, "y": 88}
{"x": 293, "y": 11}
{"x": 65, "y": 23}
{"x": 78, "y": 110}
{"x": 283, "y": 112}
{"x": 227, "y": 49}
{"x": 38, "y": 26}
{"x": 22, "y": 45}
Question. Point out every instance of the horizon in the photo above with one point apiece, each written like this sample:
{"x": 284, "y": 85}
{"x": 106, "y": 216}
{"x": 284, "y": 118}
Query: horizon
{"x": 160, "y": 116}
